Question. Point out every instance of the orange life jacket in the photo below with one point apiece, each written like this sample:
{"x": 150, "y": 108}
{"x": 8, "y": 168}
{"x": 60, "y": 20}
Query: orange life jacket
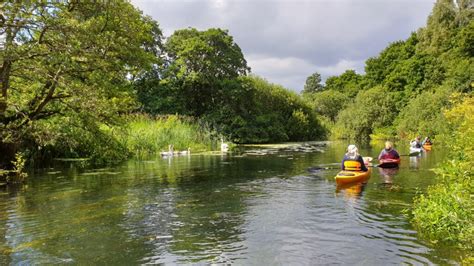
{"x": 352, "y": 166}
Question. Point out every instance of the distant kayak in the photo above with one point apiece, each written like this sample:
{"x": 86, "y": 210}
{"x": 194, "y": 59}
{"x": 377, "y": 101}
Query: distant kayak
{"x": 346, "y": 177}
{"x": 427, "y": 147}
{"x": 389, "y": 163}
{"x": 415, "y": 151}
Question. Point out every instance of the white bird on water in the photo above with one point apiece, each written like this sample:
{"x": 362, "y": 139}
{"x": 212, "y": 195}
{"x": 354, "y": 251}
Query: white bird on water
{"x": 186, "y": 152}
{"x": 224, "y": 146}
{"x": 168, "y": 153}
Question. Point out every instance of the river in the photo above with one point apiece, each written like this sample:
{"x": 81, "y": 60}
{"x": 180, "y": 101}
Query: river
{"x": 260, "y": 208}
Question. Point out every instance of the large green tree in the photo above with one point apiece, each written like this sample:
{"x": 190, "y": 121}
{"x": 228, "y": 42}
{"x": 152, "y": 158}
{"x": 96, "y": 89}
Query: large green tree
{"x": 329, "y": 103}
{"x": 199, "y": 61}
{"x": 69, "y": 59}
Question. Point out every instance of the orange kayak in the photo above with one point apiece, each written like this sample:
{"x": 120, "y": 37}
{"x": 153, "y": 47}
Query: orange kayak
{"x": 346, "y": 177}
{"x": 389, "y": 163}
{"x": 427, "y": 147}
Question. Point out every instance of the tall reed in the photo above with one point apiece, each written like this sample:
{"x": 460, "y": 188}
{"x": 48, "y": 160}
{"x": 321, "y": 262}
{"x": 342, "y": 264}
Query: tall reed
{"x": 147, "y": 135}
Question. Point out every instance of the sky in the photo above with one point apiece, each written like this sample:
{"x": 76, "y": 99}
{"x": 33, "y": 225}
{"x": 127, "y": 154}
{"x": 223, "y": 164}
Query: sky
{"x": 285, "y": 41}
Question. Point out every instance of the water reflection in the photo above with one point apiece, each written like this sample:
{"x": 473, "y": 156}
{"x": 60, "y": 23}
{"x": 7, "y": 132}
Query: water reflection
{"x": 415, "y": 162}
{"x": 351, "y": 190}
{"x": 387, "y": 174}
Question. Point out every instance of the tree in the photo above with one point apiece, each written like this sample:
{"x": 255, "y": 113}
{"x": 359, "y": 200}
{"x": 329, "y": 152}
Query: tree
{"x": 378, "y": 68}
{"x": 198, "y": 62}
{"x": 329, "y": 103}
{"x": 67, "y": 59}
{"x": 313, "y": 84}
{"x": 441, "y": 27}
{"x": 211, "y": 54}
{"x": 422, "y": 115}
{"x": 348, "y": 83}
{"x": 371, "y": 109}
{"x": 257, "y": 111}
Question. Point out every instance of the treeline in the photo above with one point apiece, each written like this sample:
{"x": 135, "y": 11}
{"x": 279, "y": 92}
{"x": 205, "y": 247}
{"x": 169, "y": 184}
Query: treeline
{"x": 407, "y": 85}
{"x": 247, "y": 109}
{"x": 72, "y": 73}
{"x": 205, "y": 76}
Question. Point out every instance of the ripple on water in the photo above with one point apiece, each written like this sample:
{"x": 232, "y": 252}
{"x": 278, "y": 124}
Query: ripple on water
{"x": 250, "y": 211}
{"x": 302, "y": 222}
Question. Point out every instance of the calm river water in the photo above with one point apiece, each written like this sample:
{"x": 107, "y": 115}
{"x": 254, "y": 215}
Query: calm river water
{"x": 257, "y": 209}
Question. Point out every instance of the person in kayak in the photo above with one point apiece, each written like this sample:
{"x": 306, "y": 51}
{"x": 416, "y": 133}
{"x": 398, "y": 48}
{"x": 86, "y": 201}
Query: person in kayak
{"x": 427, "y": 141}
{"x": 352, "y": 160}
{"x": 416, "y": 143}
{"x": 389, "y": 152}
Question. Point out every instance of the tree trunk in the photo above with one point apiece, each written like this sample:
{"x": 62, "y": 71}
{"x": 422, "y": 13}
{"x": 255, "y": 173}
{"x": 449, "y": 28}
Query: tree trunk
{"x": 7, "y": 155}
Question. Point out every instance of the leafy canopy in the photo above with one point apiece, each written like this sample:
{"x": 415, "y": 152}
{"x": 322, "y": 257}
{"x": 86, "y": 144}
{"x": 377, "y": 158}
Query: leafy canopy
{"x": 69, "y": 58}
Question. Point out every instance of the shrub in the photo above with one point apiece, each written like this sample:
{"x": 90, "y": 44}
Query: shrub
{"x": 423, "y": 115}
{"x": 261, "y": 112}
{"x": 373, "y": 108}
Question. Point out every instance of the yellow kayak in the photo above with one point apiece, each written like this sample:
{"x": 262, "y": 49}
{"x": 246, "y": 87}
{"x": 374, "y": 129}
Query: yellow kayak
{"x": 346, "y": 177}
{"x": 427, "y": 147}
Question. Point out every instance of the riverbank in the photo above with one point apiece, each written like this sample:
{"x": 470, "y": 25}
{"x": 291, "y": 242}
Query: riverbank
{"x": 142, "y": 135}
{"x": 445, "y": 212}
{"x": 132, "y": 136}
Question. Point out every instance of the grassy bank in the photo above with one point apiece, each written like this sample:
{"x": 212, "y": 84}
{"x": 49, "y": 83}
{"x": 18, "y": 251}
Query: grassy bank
{"x": 446, "y": 212}
{"x": 130, "y": 136}
{"x": 145, "y": 135}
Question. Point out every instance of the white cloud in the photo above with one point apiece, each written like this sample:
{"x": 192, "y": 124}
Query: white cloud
{"x": 292, "y": 72}
{"x": 285, "y": 41}
{"x": 340, "y": 67}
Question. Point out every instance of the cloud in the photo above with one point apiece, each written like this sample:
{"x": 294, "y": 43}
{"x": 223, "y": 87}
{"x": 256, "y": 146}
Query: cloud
{"x": 340, "y": 67}
{"x": 292, "y": 71}
{"x": 285, "y": 41}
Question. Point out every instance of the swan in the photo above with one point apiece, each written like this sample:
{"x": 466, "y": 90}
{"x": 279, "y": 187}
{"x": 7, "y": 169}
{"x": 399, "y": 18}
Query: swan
{"x": 224, "y": 146}
{"x": 169, "y": 152}
{"x": 187, "y": 152}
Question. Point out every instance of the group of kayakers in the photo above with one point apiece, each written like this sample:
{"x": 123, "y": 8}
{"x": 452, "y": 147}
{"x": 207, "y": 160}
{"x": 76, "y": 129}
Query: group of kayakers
{"x": 417, "y": 143}
{"x": 355, "y": 167}
{"x": 353, "y": 161}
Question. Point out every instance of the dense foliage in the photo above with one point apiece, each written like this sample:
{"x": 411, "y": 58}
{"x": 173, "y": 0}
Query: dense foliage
{"x": 371, "y": 108}
{"x": 446, "y": 211}
{"x": 348, "y": 83}
{"x": 259, "y": 111}
{"x": 68, "y": 63}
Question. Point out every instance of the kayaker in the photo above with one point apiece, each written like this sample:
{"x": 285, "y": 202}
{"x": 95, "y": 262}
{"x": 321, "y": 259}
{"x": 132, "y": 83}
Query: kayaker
{"x": 389, "y": 152}
{"x": 416, "y": 143}
{"x": 427, "y": 141}
{"x": 352, "y": 160}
